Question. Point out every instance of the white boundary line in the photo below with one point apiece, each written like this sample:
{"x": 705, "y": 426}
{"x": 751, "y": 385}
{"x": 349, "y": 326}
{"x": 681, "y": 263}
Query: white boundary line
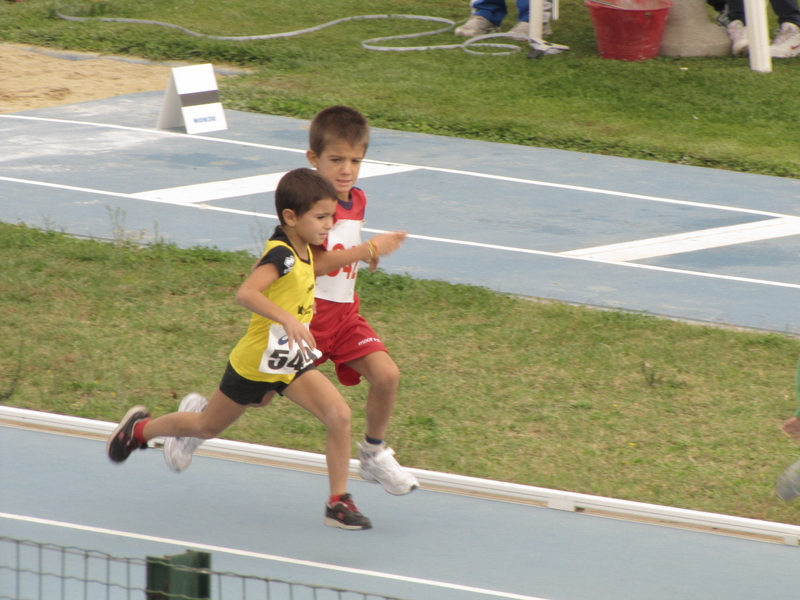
{"x": 555, "y": 499}
{"x": 262, "y": 556}
{"x": 423, "y": 237}
{"x": 692, "y": 241}
{"x": 244, "y": 186}
{"x": 159, "y": 132}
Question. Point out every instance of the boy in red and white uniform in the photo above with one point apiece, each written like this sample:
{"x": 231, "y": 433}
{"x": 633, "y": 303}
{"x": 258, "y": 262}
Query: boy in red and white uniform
{"x": 338, "y": 140}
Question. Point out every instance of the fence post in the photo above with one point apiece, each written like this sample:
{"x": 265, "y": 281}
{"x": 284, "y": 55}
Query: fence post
{"x": 180, "y": 577}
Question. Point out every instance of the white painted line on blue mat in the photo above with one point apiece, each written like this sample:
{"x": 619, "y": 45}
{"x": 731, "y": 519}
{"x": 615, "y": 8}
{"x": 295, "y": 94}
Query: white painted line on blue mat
{"x": 692, "y": 240}
{"x": 428, "y": 238}
{"x": 156, "y": 132}
{"x": 133, "y": 197}
{"x": 245, "y": 186}
{"x": 213, "y": 190}
{"x": 262, "y": 556}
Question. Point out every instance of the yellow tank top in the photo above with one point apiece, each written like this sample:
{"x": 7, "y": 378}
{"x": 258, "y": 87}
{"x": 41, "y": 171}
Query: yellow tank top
{"x": 263, "y": 353}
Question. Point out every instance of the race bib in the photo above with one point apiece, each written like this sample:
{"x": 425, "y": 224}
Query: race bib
{"x": 340, "y": 285}
{"x": 279, "y": 360}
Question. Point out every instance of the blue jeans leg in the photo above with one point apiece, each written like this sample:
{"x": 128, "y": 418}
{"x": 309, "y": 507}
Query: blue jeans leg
{"x": 491, "y": 10}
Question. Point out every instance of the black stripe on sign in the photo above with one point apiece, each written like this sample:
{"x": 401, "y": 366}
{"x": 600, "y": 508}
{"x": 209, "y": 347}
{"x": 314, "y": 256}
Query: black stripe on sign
{"x": 199, "y": 98}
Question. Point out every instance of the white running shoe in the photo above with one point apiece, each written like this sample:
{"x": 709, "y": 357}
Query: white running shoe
{"x": 476, "y": 25}
{"x": 178, "y": 451}
{"x": 787, "y": 42}
{"x": 382, "y": 466}
{"x": 738, "y": 34}
{"x": 788, "y": 485}
{"x": 521, "y": 28}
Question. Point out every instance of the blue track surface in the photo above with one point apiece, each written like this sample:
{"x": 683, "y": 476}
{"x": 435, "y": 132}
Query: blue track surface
{"x": 424, "y": 546}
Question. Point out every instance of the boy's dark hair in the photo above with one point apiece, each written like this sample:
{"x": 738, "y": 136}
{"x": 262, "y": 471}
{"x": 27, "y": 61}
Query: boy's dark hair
{"x": 340, "y": 123}
{"x": 299, "y": 190}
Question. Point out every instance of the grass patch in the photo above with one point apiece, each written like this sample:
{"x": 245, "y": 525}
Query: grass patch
{"x": 600, "y": 402}
{"x": 711, "y": 112}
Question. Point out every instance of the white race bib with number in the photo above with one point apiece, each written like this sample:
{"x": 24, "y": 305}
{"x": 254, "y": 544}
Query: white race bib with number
{"x": 279, "y": 360}
{"x": 340, "y": 285}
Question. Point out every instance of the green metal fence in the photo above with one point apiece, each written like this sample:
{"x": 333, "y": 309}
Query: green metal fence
{"x": 36, "y": 571}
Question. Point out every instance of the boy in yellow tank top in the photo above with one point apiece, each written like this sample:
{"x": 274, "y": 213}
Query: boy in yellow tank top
{"x": 276, "y": 354}
{"x": 338, "y": 140}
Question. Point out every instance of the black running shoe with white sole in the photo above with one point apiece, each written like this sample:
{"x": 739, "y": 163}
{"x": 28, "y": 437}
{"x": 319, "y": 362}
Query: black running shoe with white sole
{"x": 122, "y": 442}
{"x": 344, "y": 515}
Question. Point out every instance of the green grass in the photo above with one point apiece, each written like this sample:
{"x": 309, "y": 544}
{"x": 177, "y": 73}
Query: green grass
{"x": 699, "y": 111}
{"x": 600, "y": 402}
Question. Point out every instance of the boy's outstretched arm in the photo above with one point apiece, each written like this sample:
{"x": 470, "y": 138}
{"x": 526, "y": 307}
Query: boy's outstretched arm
{"x": 326, "y": 261}
{"x": 251, "y": 296}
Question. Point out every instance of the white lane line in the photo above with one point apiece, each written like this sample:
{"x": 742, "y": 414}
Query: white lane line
{"x": 131, "y": 197}
{"x": 156, "y": 132}
{"x": 577, "y": 188}
{"x": 435, "y": 239}
{"x": 692, "y": 240}
{"x": 213, "y": 190}
{"x": 262, "y": 556}
{"x": 601, "y": 261}
{"x": 244, "y": 186}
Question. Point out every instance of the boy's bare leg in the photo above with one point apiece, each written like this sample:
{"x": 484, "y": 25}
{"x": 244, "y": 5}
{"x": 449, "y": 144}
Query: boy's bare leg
{"x": 383, "y": 376}
{"x": 220, "y": 414}
{"x": 315, "y": 393}
{"x": 378, "y": 462}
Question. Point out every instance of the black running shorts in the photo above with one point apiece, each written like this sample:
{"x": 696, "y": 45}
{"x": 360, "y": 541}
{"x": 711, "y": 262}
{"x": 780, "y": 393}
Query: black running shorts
{"x": 245, "y": 391}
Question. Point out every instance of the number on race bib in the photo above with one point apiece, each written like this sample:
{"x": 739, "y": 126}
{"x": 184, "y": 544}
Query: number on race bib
{"x": 348, "y": 269}
{"x": 299, "y": 360}
{"x": 281, "y": 358}
{"x": 278, "y": 359}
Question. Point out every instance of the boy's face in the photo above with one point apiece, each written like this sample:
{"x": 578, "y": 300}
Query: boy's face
{"x": 313, "y": 226}
{"x": 339, "y": 163}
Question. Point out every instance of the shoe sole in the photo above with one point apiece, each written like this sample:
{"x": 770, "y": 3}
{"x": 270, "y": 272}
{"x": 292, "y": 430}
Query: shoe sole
{"x": 168, "y": 452}
{"x": 182, "y": 407}
{"x": 367, "y": 476}
{"x": 190, "y": 399}
{"x": 120, "y": 427}
{"x": 334, "y": 523}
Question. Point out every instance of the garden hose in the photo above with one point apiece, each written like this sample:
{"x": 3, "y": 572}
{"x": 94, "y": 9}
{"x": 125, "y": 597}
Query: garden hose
{"x": 537, "y": 46}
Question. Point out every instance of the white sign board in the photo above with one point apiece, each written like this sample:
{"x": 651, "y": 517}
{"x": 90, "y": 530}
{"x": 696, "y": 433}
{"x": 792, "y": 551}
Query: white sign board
{"x": 192, "y": 101}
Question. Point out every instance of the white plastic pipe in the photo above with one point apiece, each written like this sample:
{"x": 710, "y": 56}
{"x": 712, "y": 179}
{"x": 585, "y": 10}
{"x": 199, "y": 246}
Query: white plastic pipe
{"x": 535, "y": 16}
{"x": 758, "y": 35}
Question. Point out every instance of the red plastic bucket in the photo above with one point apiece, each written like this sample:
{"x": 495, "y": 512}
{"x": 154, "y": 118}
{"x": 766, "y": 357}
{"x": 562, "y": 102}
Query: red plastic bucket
{"x": 629, "y": 29}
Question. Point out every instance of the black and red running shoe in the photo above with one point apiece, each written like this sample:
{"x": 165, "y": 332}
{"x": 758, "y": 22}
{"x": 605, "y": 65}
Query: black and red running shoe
{"x": 345, "y": 515}
{"x": 122, "y": 442}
